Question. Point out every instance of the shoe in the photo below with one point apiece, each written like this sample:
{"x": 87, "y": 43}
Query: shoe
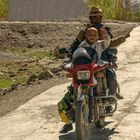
{"x": 119, "y": 96}
{"x": 99, "y": 123}
{"x": 66, "y": 128}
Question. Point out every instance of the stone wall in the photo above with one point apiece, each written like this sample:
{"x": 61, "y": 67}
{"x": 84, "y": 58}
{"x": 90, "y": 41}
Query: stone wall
{"x": 46, "y": 9}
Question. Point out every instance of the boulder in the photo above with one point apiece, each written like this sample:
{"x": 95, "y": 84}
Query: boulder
{"x": 45, "y": 75}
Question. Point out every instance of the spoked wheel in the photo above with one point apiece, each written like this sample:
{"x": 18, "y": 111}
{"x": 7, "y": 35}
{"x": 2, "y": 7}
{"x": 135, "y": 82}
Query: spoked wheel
{"x": 82, "y": 120}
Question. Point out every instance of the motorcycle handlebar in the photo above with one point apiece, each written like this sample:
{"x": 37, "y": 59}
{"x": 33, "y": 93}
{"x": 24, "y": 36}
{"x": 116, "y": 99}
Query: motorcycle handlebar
{"x": 64, "y": 51}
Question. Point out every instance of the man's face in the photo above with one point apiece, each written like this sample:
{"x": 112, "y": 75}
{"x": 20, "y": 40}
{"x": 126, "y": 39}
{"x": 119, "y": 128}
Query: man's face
{"x": 96, "y": 19}
{"x": 92, "y": 36}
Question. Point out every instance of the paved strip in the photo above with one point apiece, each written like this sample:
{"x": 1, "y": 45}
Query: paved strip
{"x": 29, "y": 122}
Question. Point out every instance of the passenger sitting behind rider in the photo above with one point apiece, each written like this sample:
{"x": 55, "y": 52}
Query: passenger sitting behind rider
{"x": 97, "y": 39}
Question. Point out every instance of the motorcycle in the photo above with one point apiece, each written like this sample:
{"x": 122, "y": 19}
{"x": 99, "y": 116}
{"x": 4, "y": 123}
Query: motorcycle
{"x": 92, "y": 100}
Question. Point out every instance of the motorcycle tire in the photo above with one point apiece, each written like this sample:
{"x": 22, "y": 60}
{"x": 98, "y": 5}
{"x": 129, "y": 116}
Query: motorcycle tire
{"x": 82, "y": 121}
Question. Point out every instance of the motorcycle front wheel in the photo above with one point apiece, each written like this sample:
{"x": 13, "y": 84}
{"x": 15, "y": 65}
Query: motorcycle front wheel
{"x": 82, "y": 120}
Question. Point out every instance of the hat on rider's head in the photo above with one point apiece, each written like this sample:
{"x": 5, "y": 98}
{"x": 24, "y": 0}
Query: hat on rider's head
{"x": 95, "y": 11}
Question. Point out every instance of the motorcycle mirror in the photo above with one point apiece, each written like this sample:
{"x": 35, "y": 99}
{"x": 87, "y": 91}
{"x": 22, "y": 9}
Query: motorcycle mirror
{"x": 102, "y": 63}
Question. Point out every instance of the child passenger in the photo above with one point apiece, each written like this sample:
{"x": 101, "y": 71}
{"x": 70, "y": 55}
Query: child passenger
{"x": 98, "y": 40}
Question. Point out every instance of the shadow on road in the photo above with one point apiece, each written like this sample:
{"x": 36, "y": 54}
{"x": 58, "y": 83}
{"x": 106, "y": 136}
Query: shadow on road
{"x": 96, "y": 134}
{"x": 69, "y": 136}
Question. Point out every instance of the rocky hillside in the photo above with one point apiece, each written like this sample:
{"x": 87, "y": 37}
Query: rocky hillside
{"x": 26, "y": 49}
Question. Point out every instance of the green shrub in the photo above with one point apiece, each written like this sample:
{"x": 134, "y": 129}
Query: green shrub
{"x": 113, "y": 9}
{"x": 3, "y": 9}
{"x": 5, "y": 82}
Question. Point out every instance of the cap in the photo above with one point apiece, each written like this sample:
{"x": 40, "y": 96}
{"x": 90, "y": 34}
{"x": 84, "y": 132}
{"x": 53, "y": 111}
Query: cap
{"x": 94, "y": 11}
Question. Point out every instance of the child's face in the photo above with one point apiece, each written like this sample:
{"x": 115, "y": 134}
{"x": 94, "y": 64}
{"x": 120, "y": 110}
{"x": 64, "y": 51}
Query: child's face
{"x": 92, "y": 36}
{"x": 103, "y": 33}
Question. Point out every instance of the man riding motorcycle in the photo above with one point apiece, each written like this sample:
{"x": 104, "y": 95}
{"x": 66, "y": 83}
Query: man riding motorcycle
{"x": 95, "y": 17}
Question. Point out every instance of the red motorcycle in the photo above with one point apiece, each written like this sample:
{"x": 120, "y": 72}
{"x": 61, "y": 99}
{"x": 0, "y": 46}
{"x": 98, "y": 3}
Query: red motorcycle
{"x": 92, "y": 100}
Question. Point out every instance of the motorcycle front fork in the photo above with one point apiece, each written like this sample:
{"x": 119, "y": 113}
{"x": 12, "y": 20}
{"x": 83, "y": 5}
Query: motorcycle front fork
{"x": 91, "y": 105}
{"x": 90, "y": 100}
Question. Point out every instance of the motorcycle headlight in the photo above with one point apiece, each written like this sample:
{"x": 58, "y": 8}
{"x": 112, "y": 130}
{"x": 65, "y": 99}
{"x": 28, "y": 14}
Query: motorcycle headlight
{"x": 83, "y": 75}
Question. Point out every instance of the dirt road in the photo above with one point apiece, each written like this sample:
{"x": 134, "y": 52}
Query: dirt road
{"x": 38, "y": 118}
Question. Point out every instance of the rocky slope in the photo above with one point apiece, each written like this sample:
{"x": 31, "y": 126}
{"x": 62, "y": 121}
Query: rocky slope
{"x": 26, "y": 56}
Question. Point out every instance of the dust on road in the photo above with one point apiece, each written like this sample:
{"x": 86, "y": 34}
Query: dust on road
{"x": 30, "y": 121}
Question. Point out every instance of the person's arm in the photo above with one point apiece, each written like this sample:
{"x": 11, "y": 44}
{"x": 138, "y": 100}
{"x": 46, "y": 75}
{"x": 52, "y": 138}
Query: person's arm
{"x": 80, "y": 38}
{"x": 58, "y": 52}
{"x": 74, "y": 46}
{"x": 117, "y": 41}
{"x": 109, "y": 31}
{"x": 106, "y": 42}
{"x": 105, "y": 37}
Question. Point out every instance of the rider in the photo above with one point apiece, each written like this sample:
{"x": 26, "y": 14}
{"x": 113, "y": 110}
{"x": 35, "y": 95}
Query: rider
{"x": 65, "y": 105}
{"x": 96, "y": 39}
